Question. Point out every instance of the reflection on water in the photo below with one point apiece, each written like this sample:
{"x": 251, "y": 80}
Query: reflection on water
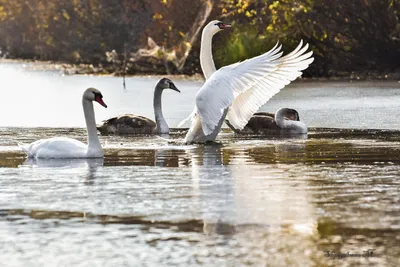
{"x": 214, "y": 186}
{"x": 246, "y": 201}
{"x": 90, "y": 165}
{"x": 239, "y": 200}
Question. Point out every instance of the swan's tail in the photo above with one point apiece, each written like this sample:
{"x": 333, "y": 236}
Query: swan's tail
{"x": 188, "y": 119}
{"x": 24, "y": 147}
{"x": 184, "y": 121}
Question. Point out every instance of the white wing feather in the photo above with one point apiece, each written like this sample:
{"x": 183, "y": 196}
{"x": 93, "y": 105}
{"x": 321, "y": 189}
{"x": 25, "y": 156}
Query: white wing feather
{"x": 193, "y": 115}
{"x": 288, "y": 69}
{"x": 246, "y": 86}
{"x": 231, "y": 81}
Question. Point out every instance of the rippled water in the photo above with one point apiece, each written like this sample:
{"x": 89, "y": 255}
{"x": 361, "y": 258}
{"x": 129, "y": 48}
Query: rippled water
{"x": 251, "y": 201}
{"x": 244, "y": 201}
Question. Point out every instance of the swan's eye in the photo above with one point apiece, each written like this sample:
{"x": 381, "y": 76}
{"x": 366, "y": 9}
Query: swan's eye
{"x": 220, "y": 25}
{"x": 97, "y": 95}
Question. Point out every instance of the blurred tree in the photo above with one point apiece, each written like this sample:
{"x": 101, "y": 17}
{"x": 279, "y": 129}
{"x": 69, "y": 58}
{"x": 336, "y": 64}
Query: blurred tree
{"x": 346, "y": 36}
{"x": 175, "y": 38}
{"x": 77, "y": 30}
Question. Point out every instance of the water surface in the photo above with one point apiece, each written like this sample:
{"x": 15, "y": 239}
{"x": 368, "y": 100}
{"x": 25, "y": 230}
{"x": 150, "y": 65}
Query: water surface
{"x": 49, "y": 99}
{"x": 244, "y": 201}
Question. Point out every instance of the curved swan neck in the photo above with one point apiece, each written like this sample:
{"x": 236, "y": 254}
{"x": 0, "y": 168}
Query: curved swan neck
{"x": 280, "y": 119}
{"x": 162, "y": 126}
{"x": 92, "y": 137}
{"x": 206, "y": 57}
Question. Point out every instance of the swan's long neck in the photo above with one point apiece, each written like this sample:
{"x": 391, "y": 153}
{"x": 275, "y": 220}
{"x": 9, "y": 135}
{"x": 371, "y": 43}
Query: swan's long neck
{"x": 162, "y": 126}
{"x": 280, "y": 119}
{"x": 206, "y": 57}
{"x": 92, "y": 138}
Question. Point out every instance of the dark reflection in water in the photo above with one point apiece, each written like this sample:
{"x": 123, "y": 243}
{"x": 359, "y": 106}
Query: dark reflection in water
{"x": 145, "y": 157}
{"x": 11, "y": 159}
{"x": 168, "y": 158}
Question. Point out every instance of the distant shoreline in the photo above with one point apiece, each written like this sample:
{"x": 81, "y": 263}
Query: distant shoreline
{"x": 90, "y": 69}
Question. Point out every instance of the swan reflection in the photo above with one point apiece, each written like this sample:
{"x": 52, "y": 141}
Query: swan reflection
{"x": 90, "y": 166}
{"x": 64, "y": 163}
{"x": 213, "y": 183}
{"x": 233, "y": 193}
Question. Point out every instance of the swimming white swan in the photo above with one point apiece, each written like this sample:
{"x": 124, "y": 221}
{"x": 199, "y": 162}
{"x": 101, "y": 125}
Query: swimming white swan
{"x": 62, "y": 147}
{"x": 133, "y": 124}
{"x": 242, "y": 87}
{"x": 284, "y": 121}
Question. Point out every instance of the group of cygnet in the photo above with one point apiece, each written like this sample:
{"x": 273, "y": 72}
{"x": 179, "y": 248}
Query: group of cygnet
{"x": 232, "y": 94}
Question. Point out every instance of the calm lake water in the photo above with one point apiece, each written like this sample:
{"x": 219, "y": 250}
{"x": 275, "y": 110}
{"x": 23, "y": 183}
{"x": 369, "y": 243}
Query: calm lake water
{"x": 246, "y": 201}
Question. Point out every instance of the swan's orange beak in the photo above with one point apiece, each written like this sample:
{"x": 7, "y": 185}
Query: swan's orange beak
{"x": 224, "y": 26}
{"x": 99, "y": 100}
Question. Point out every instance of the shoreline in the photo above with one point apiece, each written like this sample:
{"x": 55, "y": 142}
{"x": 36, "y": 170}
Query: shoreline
{"x": 92, "y": 70}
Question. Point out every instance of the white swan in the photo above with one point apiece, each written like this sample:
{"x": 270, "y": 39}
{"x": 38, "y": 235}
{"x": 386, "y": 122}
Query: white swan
{"x": 206, "y": 56}
{"x": 259, "y": 122}
{"x": 242, "y": 87}
{"x": 134, "y": 124}
{"x": 62, "y": 147}
{"x": 284, "y": 121}
{"x": 206, "y": 59}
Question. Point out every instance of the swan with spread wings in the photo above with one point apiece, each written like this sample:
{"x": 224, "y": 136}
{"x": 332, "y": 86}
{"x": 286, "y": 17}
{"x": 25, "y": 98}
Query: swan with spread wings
{"x": 235, "y": 92}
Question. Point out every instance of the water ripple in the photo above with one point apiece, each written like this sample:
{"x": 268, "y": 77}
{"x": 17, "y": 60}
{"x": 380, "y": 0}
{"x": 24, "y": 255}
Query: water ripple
{"x": 240, "y": 202}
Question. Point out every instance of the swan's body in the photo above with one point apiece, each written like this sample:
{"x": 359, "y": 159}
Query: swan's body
{"x": 134, "y": 124}
{"x": 60, "y": 147}
{"x": 128, "y": 124}
{"x": 237, "y": 91}
{"x": 63, "y": 147}
{"x": 284, "y": 121}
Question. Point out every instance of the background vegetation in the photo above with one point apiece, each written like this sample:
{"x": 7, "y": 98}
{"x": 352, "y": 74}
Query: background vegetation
{"x": 357, "y": 37}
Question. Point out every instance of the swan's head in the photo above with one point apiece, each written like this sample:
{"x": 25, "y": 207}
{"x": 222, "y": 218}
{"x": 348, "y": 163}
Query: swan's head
{"x": 294, "y": 115}
{"x": 92, "y": 94}
{"x": 287, "y": 114}
{"x": 166, "y": 83}
{"x": 215, "y": 26}
{"x": 290, "y": 114}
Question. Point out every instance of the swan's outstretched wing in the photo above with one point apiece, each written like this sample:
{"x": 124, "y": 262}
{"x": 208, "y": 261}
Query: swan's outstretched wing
{"x": 288, "y": 69}
{"x": 247, "y": 86}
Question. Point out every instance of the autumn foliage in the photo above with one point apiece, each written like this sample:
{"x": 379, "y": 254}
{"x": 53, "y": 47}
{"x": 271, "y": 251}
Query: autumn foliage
{"x": 358, "y": 36}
